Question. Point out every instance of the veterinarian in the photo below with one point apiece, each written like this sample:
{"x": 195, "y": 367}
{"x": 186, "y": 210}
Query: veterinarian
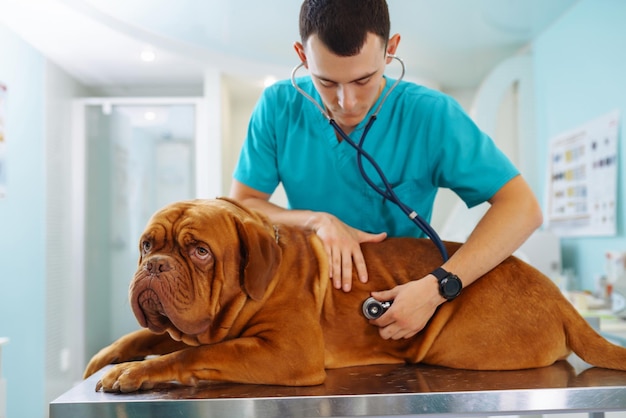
{"x": 421, "y": 139}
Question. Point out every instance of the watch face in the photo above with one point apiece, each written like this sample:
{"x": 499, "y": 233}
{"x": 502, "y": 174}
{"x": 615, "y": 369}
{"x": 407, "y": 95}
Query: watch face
{"x": 451, "y": 287}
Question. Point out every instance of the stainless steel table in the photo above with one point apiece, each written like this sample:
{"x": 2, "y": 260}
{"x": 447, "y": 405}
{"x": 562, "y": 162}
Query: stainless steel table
{"x": 385, "y": 390}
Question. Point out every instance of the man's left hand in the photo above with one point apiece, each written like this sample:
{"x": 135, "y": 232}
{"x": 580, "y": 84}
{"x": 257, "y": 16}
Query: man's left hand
{"x": 414, "y": 303}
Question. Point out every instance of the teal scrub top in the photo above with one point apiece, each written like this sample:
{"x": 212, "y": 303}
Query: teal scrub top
{"x": 421, "y": 139}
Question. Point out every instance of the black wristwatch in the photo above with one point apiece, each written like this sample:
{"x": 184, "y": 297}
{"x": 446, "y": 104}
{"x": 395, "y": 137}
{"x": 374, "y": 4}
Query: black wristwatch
{"x": 449, "y": 284}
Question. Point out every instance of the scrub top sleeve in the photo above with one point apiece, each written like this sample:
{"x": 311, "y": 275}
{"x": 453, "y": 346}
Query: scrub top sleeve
{"x": 467, "y": 160}
{"x": 257, "y": 165}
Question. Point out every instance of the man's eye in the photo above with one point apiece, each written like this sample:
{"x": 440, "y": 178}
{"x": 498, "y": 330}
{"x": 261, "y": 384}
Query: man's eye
{"x": 327, "y": 84}
{"x": 363, "y": 81}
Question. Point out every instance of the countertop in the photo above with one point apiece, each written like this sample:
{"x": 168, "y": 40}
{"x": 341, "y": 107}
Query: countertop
{"x": 382, "y": 390}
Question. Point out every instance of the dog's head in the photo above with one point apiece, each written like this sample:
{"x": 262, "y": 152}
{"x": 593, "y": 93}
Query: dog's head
{"x": 200, "y": 261}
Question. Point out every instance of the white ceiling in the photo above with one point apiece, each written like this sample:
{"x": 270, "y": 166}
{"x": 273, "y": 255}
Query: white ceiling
{"x": 447, "y": 43}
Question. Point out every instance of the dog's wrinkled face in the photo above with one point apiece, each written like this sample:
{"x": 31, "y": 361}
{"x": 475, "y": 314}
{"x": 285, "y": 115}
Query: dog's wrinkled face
{"x": 199, "y": 261}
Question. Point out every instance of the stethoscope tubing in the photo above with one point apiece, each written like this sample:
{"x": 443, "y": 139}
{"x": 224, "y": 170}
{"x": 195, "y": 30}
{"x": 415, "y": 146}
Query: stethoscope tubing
{"x": 388, "y": 192}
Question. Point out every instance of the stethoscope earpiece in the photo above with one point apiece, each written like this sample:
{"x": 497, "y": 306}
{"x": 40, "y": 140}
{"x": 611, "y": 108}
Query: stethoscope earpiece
{"x": 322, "y": 110}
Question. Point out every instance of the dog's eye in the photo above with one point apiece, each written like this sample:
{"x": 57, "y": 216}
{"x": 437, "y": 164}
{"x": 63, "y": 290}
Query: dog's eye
{"x": 202, "y": 252}
{"x": 146, "y": 246}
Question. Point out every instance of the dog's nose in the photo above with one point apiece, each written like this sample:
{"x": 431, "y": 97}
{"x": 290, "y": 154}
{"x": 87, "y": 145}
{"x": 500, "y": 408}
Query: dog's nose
{"x": 158, "y": 265}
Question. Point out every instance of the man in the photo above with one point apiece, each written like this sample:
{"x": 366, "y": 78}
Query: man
{"x": 421, "y": 139}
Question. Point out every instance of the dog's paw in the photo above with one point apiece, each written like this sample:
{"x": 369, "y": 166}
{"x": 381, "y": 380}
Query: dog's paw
{"x": 103, "y": 358}
{"x": 126, "y": 377}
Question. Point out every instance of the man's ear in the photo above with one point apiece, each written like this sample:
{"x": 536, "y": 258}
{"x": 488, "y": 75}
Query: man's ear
{"x": 300, "y": 51}
{"x": 392, "y": 46}
{"x": 260, "y": 255}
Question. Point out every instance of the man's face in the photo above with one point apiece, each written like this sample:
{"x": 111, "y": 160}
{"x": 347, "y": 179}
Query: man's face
{"x": 349, "y": 86}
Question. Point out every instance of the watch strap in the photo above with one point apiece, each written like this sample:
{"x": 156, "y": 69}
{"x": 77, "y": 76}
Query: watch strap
{"x": 440, "y": 273}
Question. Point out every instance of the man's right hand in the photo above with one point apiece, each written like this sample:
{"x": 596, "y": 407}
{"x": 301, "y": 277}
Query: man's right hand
{"x": 342, "y": 244}
{"x": 341, "y": 241}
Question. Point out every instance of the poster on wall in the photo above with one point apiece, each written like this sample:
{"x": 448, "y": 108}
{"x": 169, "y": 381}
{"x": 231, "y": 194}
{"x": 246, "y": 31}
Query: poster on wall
{"x": 582, "y": 179}
{"x": 3, "y": 143}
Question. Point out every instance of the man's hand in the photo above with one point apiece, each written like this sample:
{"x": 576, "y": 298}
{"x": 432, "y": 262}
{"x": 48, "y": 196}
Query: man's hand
{"x": 414, "y": 303}
{"x": 342, "y": 244}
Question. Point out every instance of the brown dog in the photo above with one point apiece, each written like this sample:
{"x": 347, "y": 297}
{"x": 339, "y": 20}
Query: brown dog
{"x": 228, "y": 296}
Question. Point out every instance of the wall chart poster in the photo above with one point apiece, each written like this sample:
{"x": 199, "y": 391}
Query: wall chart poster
{"x": 582, "y": 179}
{"x": 3, "y": 143}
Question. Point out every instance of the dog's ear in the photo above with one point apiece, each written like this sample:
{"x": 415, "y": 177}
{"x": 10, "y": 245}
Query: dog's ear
{"x": 260, "y": 255}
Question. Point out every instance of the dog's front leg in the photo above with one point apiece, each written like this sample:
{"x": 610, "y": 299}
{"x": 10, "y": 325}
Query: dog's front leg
{"x": 293, "y": 359}
{"x": 134, "y": 346}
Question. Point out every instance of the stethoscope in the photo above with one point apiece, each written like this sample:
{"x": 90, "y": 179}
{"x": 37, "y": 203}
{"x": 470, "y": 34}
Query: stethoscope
{"x": 387, "y": 191}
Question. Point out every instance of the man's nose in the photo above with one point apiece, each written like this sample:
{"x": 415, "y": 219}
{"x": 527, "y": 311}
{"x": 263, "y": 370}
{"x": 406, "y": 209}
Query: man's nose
{"x": 346, "y": 97}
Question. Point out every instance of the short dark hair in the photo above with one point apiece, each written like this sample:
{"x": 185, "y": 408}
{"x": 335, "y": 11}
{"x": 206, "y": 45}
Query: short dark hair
{"x": 343, "y": 25}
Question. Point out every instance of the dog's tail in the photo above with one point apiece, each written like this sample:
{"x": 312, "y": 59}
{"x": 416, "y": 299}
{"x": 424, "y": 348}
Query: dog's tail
{"x": 588, "y": 344}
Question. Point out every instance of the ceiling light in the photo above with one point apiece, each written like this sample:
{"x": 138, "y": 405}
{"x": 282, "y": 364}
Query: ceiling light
{"x": 149, "y": 116}
{"x": 148, "y": 55}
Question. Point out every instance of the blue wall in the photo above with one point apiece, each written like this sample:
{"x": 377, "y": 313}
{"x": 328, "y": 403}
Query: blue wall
{"x": 22, "y": 228}
{"x": 580, "y": 74}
